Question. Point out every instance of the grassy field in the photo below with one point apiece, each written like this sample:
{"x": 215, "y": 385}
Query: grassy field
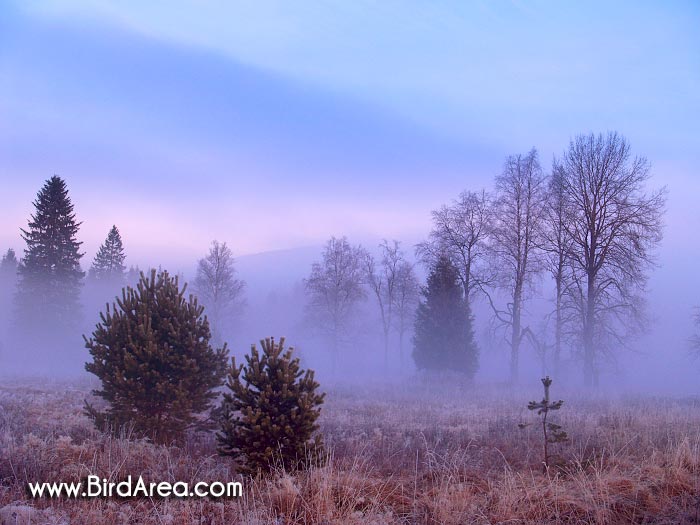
{"x": 404, "y": 454}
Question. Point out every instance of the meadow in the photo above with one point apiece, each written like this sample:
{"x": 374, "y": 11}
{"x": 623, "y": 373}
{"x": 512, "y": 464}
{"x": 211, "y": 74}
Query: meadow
{"x": 410, "y": 453}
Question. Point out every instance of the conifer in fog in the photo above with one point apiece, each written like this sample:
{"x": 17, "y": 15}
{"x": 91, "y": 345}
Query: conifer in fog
{"x": 443, "y": 334}
{"x": 108, "y": 265}
{"x": 50, "y": 276}
{"x": 8, "y": 264}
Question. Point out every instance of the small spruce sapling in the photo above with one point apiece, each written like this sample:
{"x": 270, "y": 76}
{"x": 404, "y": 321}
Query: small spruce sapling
{"x": 551, "y": 432}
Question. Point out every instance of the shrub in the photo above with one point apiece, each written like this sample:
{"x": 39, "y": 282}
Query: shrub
{"x": 151, "y": 351}
{"x": 270, "y": 412}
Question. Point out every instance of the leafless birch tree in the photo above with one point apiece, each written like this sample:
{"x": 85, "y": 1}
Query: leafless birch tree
{"x": 518, "y": 214}
{"x": 391, "y": 281}
{"x": 406, "y": 298}
{"x": 217, "y": 287}
{"x": 382, "y": 281}
{"x": 614, "y": 224}
{"x": 556, "y": 243}
{"x": 460, "y": 231}
{"x": 334, "y": 289}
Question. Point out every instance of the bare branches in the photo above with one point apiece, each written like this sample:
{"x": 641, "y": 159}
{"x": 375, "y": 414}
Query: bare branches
{"x": 518, "y": 212}
{"x": 460, "y": 231}
{"x": 613, "y": 226}
{"x": 556, "y": 247}
{"x": 217, "y": 287}
{"x": 406, "y": 299}
{"x": 384, "y": 282}
{"x": 335, "y": 287}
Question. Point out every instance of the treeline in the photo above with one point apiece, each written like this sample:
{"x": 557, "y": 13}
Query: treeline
{"x": 588, "y": 223}
{"x": 44, "y": 309}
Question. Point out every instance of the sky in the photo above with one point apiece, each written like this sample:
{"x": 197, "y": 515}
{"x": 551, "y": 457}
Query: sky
{"x": 274, "y": 125}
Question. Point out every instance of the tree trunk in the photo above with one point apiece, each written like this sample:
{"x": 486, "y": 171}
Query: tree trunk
{"x": 334, "y": 351}
{"x": 402, "y": 328}
{"x": 558, "y": 327}
{"x": 386, "y": 348}
{"x": 515, "y": 337}
{"x": 588, "y": 335}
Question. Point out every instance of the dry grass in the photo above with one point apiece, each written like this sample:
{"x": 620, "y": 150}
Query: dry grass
{"x": 398, "y": 455}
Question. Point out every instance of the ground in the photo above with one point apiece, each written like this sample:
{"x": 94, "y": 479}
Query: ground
{"x": 403, "y": 454}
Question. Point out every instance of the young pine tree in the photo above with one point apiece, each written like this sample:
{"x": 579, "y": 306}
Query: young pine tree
{"x": 270, "y": 411}
{"x": 151, "y": 351}
{"x": 551, "y": 432}
{"x": 108, "y": 265}
{"x": 49, "y": 274}
{"x": 443, "y": 337}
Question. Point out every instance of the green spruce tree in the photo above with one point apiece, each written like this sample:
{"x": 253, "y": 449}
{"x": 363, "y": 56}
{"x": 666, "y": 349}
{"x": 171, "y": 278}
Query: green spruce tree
{"x": 270, "y": 411}
{"x": 50, "y": 277}
{"x": 151, "y": 351}
{"x": 443, "y": 334}
{"x": 108, "y": 265}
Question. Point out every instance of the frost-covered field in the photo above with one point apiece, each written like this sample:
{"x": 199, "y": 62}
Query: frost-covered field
{"x": 398, "y": 455}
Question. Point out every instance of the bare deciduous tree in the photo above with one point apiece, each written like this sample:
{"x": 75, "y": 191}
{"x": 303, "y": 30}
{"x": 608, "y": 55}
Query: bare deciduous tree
{"x": 217, "y": 287}
{"x": 334, "y": 288}
{"x": 518, "y": 213}
{"x": 556, "y": 243}
{"x": 614, "y": 225}
{"x": 406, "y": 298}
{"x": 460, "y": 231}
{"x": 382, "y": 280}
{"x": 391, "y": 284}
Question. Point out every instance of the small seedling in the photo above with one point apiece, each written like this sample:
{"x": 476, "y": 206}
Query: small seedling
{"x": 551, "y": 432}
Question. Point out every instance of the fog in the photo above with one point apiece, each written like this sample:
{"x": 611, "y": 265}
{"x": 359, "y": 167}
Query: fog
{"x": 184, "y": 133}
{"x": 659, "y": 361}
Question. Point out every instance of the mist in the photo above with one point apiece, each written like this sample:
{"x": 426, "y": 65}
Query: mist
{"x": 334, "y": 252}
{"x": 274, "y": 302}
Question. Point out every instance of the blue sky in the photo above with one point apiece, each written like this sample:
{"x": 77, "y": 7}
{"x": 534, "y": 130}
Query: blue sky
{"x": 277, "y": 124}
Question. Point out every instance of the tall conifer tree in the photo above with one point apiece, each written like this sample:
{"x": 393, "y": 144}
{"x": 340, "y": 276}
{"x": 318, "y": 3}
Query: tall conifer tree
{"x": 49, "y": 273}
{"x": 444, "y": 337}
